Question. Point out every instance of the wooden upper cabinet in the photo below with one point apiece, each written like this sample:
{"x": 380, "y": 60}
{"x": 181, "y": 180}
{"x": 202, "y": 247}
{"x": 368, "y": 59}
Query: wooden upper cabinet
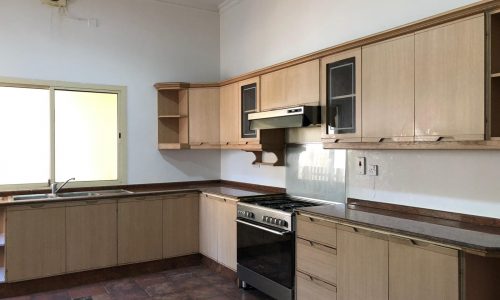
{"x": 362, "y": 265}
{"x": 248, "y": 102}
{"x": 36, "y": 241}
{"x": 180, "y": 225}
{"x": 292, "y": 86}
{"x": 422, "y": 271}
{"x": 91, "y": 235}
{"x": 449, "y": 81}
{"x": 229, "y": 114}
{"x": 204, "y": 113}
{"x": 341, "y": 97}
{"x": 140, "y": 230}
{"x": 389, "y": 90}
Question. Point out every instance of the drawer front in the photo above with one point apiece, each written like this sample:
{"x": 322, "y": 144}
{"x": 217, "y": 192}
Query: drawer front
{"x": 317, "y": 260}
{"x": 309, "y": 287}
{"x": 317, "y": 230}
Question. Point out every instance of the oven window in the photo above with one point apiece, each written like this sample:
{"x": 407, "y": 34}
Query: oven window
{"x": 270, "y": 255}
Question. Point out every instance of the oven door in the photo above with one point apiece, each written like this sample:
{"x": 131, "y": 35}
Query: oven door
{"x": 267, "y": 251}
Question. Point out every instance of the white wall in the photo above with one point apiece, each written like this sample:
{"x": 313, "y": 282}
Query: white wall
{"x": 137, "y": 43}
{"x": 258, "y": 33}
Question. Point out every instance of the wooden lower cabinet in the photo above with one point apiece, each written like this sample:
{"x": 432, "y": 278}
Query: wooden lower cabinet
{"x": 309, "y": 287}
{"x": 180, "y": 225}
{"x": 362, "y": 265}
{"x": 140, "y": 230}
{"x": 226, "y": 233}
{"x": 91, "y": 235}
{"x": 316, "y": 259}
{"x": 36, "y": 241}
{"x": 218, "y": 229}
{"x": 422, "y": 271}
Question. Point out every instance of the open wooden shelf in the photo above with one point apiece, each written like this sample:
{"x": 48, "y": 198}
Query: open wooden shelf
{"x": 171, "y": 116}
{"x": 173, "y": 122}
{"x": 172, "y": 146}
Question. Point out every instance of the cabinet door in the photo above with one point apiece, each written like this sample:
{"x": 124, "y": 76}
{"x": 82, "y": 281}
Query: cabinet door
{"x": 273, "y": 90}
{"x": 204, "y": 116}
{"x": 208, "y": 226}
{"x": 139, "y": 230}
{"x": 302, "y": 84}
{"x": 449, "y": 81}
{"x": 363, "y": 265}
{"x": 341, "y": 96}
{"x": 389, "y": 90}
{"x": 422, "y": 271}
{"x": 180, "y": 225}
{"x": 226, "y": 228}
{"x": 36, "y": 244}
{"x": 229, "y": 115}
{"x": 91, "y": 237}
{"x": 249, "y": 101}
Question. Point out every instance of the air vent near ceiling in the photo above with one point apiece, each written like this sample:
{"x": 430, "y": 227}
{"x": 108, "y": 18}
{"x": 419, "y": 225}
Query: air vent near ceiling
{"x": 58, "y": 3}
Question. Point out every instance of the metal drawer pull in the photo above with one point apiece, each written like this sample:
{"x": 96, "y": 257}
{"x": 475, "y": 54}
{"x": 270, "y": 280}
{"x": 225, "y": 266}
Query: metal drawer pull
{"x": 262, "y": 228}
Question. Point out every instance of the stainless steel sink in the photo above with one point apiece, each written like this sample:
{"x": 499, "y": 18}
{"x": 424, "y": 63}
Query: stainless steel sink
{"x": 71, "y": 194}
{"x": 77, "y": 194}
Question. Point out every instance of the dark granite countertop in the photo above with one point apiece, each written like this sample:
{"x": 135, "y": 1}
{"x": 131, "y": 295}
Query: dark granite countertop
{"x": 471, "y": 238}
{"x": 223, "y": 189}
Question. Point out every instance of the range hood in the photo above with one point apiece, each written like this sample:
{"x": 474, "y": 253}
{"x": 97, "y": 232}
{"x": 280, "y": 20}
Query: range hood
{"x": 292, "y": 117}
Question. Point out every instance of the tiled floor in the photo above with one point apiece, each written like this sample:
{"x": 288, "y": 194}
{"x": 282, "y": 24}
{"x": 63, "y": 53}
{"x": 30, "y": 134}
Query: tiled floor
{"x": 181, "y": 284}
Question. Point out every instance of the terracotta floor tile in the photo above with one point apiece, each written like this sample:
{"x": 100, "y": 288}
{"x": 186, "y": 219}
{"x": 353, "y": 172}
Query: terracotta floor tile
{"x": 86, "y": 290}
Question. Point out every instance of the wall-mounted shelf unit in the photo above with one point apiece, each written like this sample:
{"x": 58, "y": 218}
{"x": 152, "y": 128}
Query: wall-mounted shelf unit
{"x": 173, "y": 110}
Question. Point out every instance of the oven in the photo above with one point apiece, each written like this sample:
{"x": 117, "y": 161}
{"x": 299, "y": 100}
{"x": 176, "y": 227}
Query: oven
{"x": 266, "y": 258}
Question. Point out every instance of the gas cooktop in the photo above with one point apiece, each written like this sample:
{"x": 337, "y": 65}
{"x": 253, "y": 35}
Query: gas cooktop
{"x": 285, "y": 203}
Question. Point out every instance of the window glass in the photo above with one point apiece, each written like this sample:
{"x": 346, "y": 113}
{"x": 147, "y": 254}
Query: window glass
{"x": 25, "y": 135}
{"x": 86, "y": 136}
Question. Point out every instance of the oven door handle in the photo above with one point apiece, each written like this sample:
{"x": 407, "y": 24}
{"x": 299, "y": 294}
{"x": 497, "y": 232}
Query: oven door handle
{"x": 263, "y": 228}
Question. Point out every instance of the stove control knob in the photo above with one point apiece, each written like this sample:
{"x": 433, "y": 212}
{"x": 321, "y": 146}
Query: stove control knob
{"x": 280, "y": 222}
{"x": 272, "y": 220}
{"x": 265, "y": 218}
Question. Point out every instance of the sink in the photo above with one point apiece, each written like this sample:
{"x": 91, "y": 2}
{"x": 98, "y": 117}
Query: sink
{"x": 71, "y": 194}
{"x": 32, "y": 197}
{"x": 77, "y": 194}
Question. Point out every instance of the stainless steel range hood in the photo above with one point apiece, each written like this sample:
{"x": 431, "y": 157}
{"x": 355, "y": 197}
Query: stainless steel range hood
{"x": 292, "y": 117}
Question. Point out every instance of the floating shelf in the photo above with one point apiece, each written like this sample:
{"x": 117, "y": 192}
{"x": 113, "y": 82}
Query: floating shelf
{"x": 171, "y": 116}
{"x": 172, "y": 146}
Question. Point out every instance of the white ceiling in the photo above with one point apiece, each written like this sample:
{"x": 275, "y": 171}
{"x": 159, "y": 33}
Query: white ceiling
{"x": 210, "y": 5}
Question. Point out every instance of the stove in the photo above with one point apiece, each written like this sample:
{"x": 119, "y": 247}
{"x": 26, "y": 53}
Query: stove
{"x": 266, "y": 242}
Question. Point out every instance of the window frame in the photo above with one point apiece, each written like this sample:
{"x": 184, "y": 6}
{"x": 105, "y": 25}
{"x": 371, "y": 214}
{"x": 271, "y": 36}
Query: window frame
{"x": 52, "y": 86}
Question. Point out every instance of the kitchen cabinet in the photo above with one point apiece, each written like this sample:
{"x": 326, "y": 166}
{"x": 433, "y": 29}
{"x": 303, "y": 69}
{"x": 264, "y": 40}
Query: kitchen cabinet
{"x": 362, "y": 264}
{"x": 249, "y": 100}
{"x": 173, "y": 118}
{"x": 309, "y": 287}
{"x": 389, "y": 91}
{"x": 341, "y": 96}
{"x": 204, "y": 117}
{"x": 218, "y": 229}
{"x": 229, "y": 115}
{"x": 226, "y": 232}
{"x": 449, "y": 81}
{"x": 140, "y": 229}
{"x": 180, "y": 224}
{"x": 36, "y": 241}
{"x": 292, "y": 86}
{"x": 208, "y": 226}
{"x": 91, "y": 234}
{"x": 418, "y": 270}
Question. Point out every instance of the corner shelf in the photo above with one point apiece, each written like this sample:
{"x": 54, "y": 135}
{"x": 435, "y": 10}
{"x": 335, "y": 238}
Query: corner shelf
{"x": 173, "y": 122}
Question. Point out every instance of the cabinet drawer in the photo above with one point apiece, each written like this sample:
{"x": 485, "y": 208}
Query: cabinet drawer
{"x": 317, "y": 230}
{"x": 317, "y": 260}
{"x": 309, "y": 287}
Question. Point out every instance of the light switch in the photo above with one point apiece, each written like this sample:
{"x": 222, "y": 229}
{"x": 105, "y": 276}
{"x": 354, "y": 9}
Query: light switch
{"x": 361, "y": 163}
{"x": 372, "y": 170}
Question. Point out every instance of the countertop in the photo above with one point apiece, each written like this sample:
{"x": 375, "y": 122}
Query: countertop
{"x": 234, "y": 191}
{"x": 471, "y": 238}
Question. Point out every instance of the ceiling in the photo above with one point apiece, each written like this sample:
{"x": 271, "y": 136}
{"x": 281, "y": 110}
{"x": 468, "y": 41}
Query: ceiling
{"x": 210, "y": 5}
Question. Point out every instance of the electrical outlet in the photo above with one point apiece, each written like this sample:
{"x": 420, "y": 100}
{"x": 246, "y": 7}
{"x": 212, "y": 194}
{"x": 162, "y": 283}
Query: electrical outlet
{"x": 372, "y": 170}
{"x": 361, "y": 165}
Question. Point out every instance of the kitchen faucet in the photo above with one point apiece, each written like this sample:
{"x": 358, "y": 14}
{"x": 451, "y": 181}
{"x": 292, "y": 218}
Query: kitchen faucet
{"x": 54, "y": 189}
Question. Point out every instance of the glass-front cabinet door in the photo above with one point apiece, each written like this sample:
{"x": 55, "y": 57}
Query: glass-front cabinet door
{"x": 249, "y": 103}
{"x": 341, "y": 96}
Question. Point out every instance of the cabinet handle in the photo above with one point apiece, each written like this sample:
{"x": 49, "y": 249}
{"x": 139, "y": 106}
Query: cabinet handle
{"x": 311, "y": 219}
{"x": 311, "y": 243}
